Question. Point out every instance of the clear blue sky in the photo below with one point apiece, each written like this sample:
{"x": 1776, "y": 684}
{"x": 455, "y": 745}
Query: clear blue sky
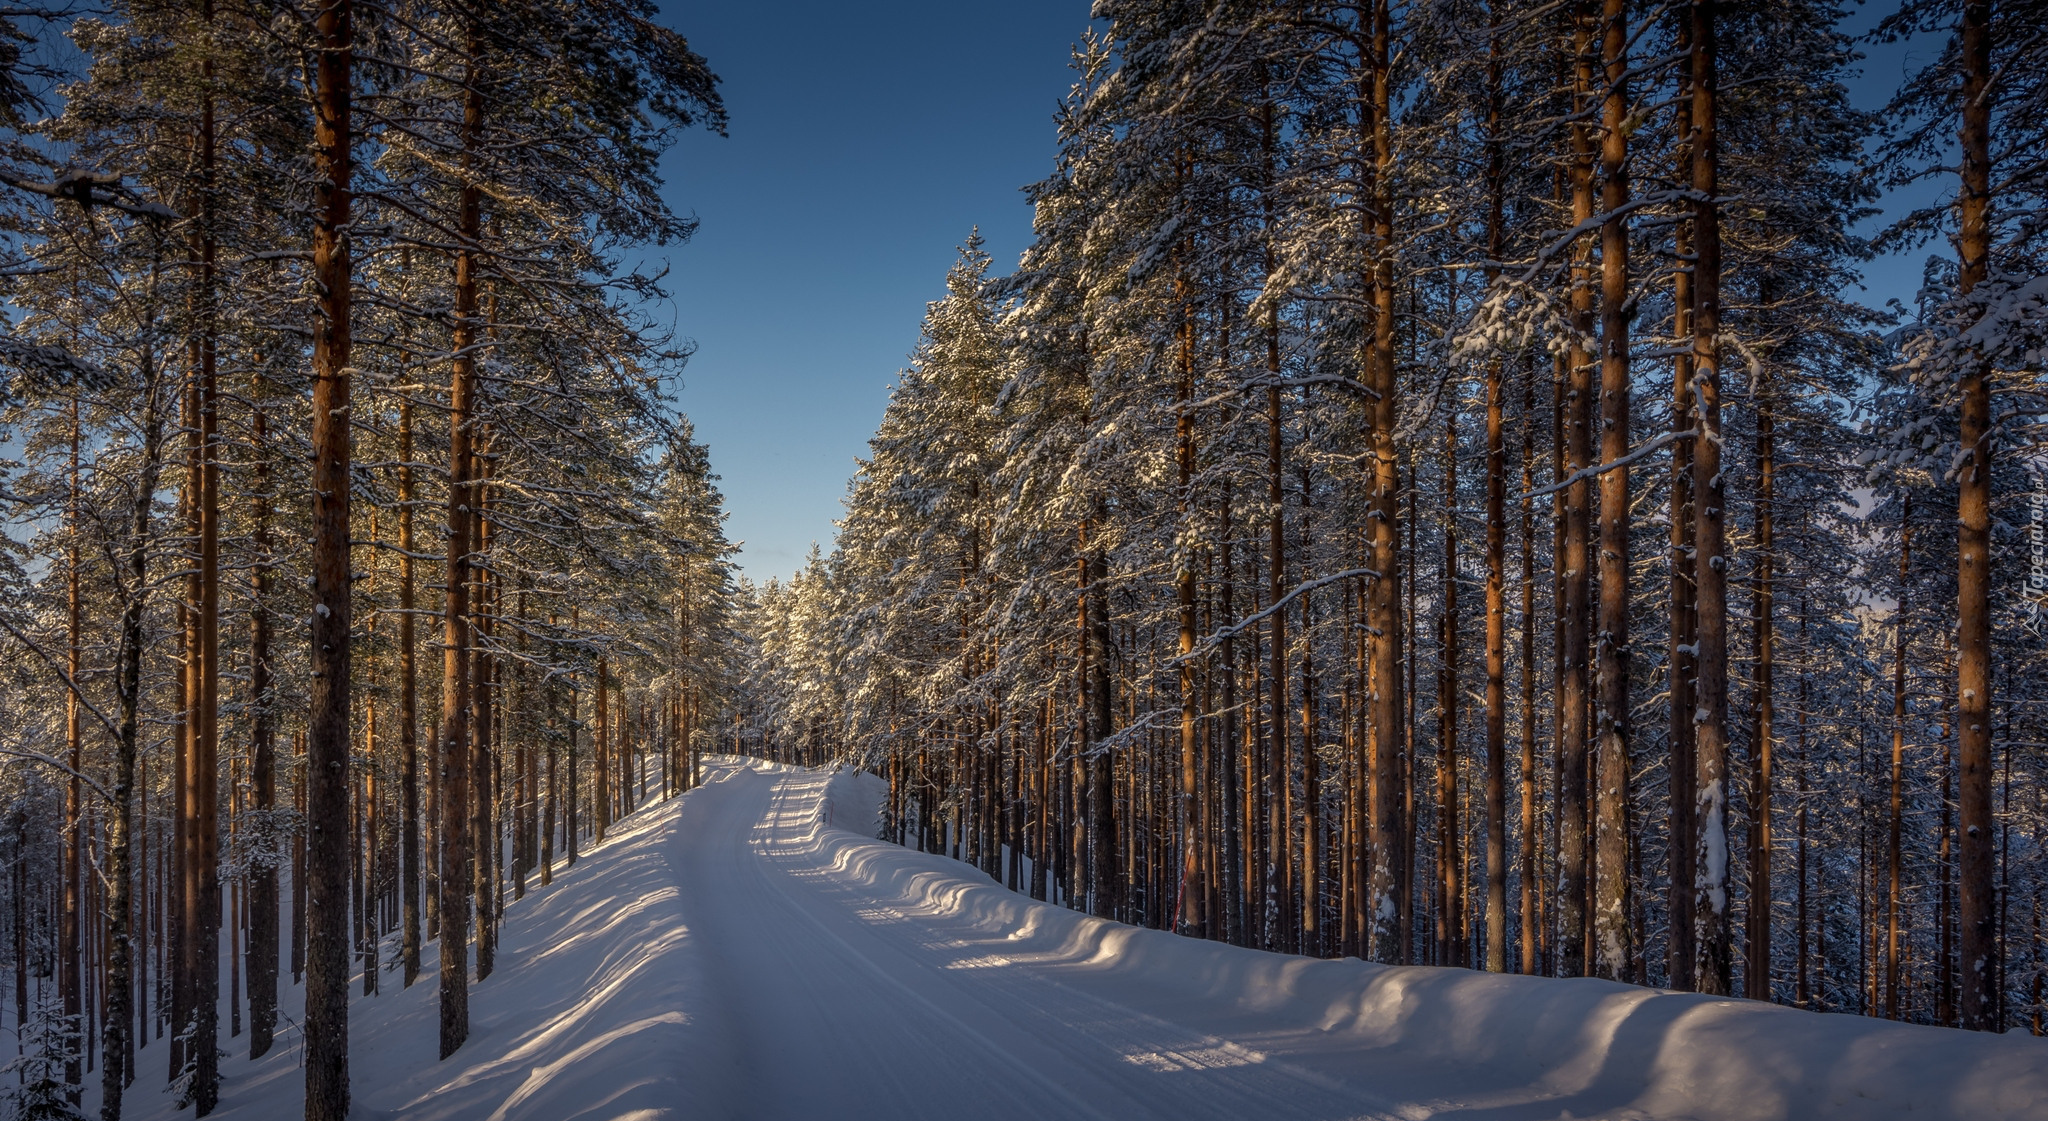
{"x": 867, "y": 140}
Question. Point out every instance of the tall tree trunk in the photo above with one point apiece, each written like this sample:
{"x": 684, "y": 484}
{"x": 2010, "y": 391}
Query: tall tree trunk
{"x": 1496, "y": 539}
{"x": 1614, "y": 936}
{"x": 1389, "y": 885}
{"x": 1574, "y": 694}
{"x": 1894, "y": 855}
{"x": 1680, "y": 839}
{"x": 601, "y": 792}
{"x": 1191, "y": 885}
{"x": 327, "y": 739}
{"x": 408, "y": 705}
{"x": 1802, "y": 990}
{"x": 1097, "y": 706}
{"x": 203, "y": 865}
{"x": 1450, "y": 844}
{"x": 1713, "y": 962}
{"x": 1530, "y": 899}
{"x": 262, "y": 872}
{"x": 1757, "y": 967}
{"x": 117, "y": 1058}
{"x": 1235, "y": 921}
{"x": 482, "y": 664}
{"x": 1980, "y": 943}
{"x": 456, "y": 675}
{"x": 74, "y": 835}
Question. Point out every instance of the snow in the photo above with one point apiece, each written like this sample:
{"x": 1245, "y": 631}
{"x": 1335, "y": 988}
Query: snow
{"x": 749, "y": 951}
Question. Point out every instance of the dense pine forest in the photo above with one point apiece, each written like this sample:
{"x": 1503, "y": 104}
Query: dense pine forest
{"x": 1430, "y": 493}
{"x": 358, "y": 564}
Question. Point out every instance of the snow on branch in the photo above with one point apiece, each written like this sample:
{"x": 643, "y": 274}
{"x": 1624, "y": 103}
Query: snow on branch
{"x": 1603, "y": 468}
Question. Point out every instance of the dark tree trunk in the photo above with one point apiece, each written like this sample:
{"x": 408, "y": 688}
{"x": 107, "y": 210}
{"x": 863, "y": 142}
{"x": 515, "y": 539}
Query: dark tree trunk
{"x": 1713, "y": 964}
{"x": 262, "y": 874}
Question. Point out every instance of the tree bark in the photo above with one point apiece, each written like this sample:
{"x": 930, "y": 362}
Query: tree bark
{"x": 408, "y": 706}
{"x": 1496, "y": 541}
{"x": 262, "y": 874}
{"x": 1978, "y": 902}
{"x": 327, "y": 739}
{"x": 1757, "y": 941}
{"x": 483, "y": 829}
{"x": 1388, "y": 884}
{"x": 1574, "y": 691}
{"x": 1894, "y": 856}
{"x": 1614, "y": 936}
{"x": 1713, "y": 953}
{"x": 1680, "y": 840}
{"x": 117, "y": 1059}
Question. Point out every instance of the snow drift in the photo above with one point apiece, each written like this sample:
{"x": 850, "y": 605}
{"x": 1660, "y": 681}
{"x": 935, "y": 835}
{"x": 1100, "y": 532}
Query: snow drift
{"x": 750, "y": 951}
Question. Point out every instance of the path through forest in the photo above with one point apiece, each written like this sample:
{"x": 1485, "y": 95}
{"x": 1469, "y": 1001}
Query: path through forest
{"x": 746, "y": 952}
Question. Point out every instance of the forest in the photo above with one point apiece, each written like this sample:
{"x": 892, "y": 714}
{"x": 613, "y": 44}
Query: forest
{"x": 1429, "y": 493}
{"x": 358, "y": 564}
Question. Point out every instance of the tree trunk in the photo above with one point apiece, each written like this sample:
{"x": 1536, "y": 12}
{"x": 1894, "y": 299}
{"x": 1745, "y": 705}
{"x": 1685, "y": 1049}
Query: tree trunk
{"x": 117, "y": 1062}
{"x": 1757, "y": 967}
{"x": 262, "y": 874}
{"x": 1614, "y": 937}
{"x": 1980, "y": 943}
{"x": 456, "y": 857}
{"x": 1532, "y": 910}
{"x": 1496, "y": 543}
{"x": 408, "y": 706}
{"x": 1191, "y": 885}
{"x": 327, "y": 739}
{"x": 68, "y": 931}
{"x": 1387, "y": 893}
{"x": 1450, "y": 845}
{"x": 1574, "y": 695}
{"x": 1714, "y": 957}
{"x": 483, "y": 829}
{"x": 1894, "y": 856}
{"x": 1680, "y": 838}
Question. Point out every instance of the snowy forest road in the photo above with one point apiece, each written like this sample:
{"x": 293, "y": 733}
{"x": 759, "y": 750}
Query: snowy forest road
{"x": 830, "y": 1003}
{"x": 748, "y": 952}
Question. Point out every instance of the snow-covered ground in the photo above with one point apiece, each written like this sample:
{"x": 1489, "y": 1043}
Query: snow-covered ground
{"x": 748, "y": 951}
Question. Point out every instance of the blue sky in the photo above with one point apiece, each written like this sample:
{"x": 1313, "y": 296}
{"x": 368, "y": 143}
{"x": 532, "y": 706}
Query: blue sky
{"x": 867, "y": 140}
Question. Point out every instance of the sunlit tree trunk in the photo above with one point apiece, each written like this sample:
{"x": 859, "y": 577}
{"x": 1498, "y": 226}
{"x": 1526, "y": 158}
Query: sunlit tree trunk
{"x": 1389, "y": 885}
{"x": 1614, "y": 938}
{"x": 1496, "y": 542}
{"x": 457, "y": 675}
{"x": 327, "y": 740}
{"x": 1980, "y": 942}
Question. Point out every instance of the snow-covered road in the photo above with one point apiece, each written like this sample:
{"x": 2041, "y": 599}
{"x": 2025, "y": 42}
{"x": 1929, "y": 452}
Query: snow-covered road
{"x": 831, "y": 1002}
{"x": 747, "y": 951}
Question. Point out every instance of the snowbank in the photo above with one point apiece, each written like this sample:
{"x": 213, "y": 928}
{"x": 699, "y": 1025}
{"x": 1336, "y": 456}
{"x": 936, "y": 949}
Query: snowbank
{"x": 828, "y": 974}
{"x": 1453, "y": 1042}
{"x": 584, "y": 1019}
